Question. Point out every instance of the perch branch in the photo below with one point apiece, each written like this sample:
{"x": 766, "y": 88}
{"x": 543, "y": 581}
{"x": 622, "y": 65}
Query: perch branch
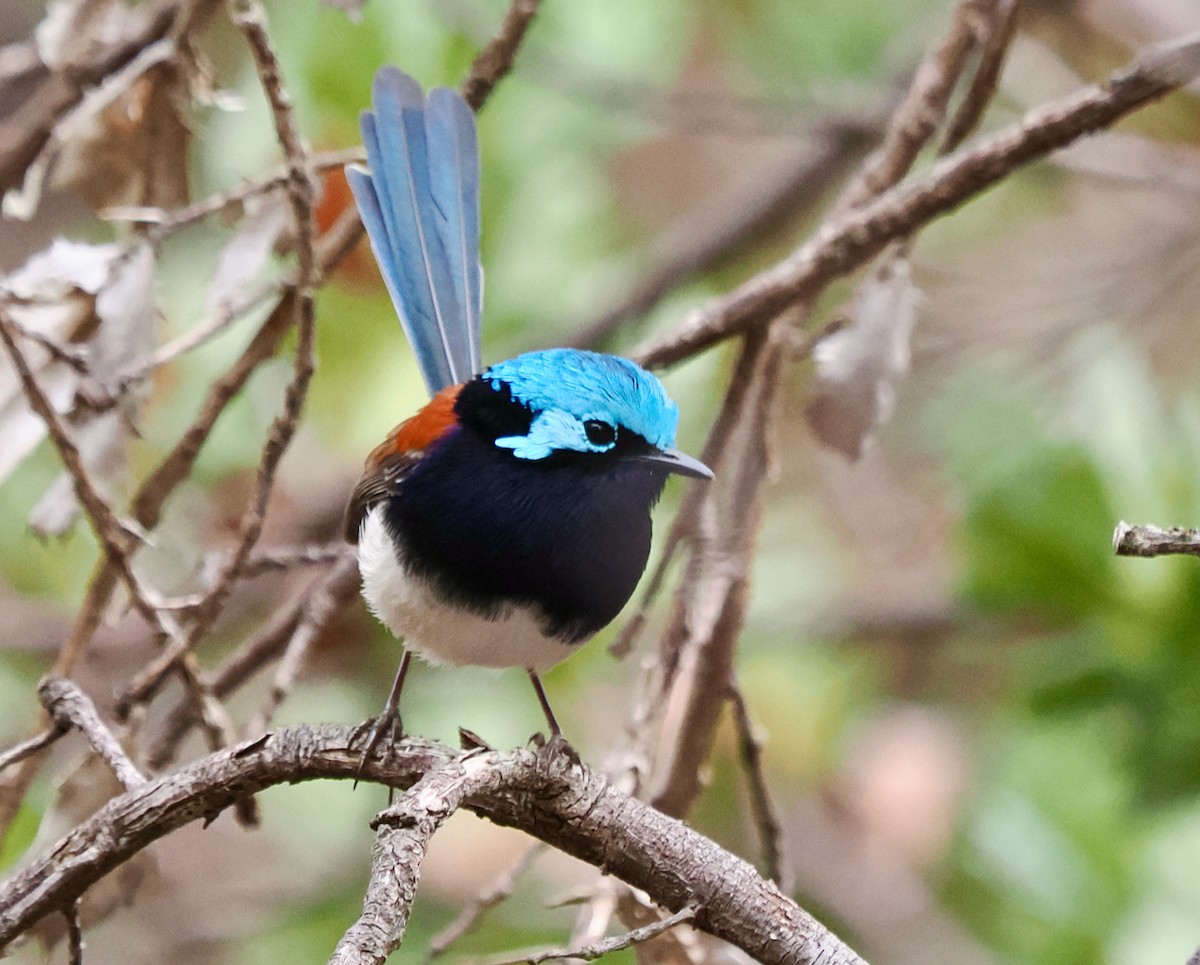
{"x": 549, "y": 796}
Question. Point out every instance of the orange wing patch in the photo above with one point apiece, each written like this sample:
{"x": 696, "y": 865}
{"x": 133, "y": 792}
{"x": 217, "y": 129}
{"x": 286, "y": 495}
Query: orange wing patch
{"x": 396, "y": 455}
{"x": 421, "y": 430}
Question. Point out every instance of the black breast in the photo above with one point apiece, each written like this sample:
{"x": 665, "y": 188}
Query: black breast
{"x": 569, "y": 534}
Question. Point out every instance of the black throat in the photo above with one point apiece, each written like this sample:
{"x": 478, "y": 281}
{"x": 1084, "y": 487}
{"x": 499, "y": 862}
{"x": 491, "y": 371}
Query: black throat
{"x": 569, "y": 534}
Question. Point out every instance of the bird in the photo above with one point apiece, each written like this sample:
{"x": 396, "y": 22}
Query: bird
{"x": 509, "y": 520}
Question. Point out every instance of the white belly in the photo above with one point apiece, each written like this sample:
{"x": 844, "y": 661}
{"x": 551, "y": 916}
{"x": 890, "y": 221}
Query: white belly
{"x": 438, "y": 631}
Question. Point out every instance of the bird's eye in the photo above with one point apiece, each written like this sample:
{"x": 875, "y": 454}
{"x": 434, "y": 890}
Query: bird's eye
{"x": 600, "y": 433}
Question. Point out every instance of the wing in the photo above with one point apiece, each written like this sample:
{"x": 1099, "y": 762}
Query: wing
{"x": 420, "y": 205}
{"x": 391, "y": 460}
{"x": 380, "y": 480}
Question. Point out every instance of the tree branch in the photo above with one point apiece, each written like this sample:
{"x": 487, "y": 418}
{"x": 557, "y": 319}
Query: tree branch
{"x": 68, "y": 706}
{"x": 497, "y": 56}
{"x": 850, "y": 241}
{"x": 547, "y": 795}
{"x": 1130, "y": 540}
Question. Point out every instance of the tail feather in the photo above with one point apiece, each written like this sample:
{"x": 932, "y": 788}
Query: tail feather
{"x": 420, "y": 205}
{"x": 454, "y": 169}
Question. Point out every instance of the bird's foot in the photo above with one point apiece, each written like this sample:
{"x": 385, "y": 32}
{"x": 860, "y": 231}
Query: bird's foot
{"x": 376, "y": 728}
{"x": 553, "y": 746}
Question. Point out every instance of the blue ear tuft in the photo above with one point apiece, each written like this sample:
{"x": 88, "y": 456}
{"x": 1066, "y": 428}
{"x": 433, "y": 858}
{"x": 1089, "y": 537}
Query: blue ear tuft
{"x": 420, "y": 205}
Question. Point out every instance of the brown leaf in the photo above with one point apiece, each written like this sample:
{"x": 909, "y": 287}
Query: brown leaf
{"x": 860, "y": 364}
{"x": 135, "y": 150}
{"x": 96, "y": 301}
{"x": 126, "y": 311}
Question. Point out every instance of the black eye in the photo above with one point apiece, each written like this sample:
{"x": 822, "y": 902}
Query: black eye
{"x": 600, "y": 433}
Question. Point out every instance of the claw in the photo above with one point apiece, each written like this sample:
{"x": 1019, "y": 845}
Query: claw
{"x": 388, "y": 723}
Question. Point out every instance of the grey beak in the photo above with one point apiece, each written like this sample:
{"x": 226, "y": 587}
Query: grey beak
{"x": 677, "y": 462}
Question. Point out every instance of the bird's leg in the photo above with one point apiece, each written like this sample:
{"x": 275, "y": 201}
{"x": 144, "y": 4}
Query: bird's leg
{"x": 555, "y": 730}
{"x": 557, "y": 744}
{"x": 388, "y": 722}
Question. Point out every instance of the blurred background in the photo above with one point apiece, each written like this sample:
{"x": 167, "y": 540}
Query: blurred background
{"x": 981, "y": 729}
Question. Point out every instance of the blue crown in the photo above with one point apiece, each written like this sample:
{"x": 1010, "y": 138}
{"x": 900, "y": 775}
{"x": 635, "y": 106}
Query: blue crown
{"x": 567, "y": 388}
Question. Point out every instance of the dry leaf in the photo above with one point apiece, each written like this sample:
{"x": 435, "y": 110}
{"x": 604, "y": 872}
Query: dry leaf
{"x": 246, "y": 253}
{"x": 98, "y": 298}
{"x": 133, "y": 151}
{"x": 75, "y": 32}
{"x": 860, "y": 365}
{"x": 51, "y": 296}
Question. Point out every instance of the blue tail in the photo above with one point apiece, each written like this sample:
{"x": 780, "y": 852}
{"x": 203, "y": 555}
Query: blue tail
{"x": 420, "y": 205}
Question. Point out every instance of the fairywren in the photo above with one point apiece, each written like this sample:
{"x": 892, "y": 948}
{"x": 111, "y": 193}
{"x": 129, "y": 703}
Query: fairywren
{"x": 508, "y": 520}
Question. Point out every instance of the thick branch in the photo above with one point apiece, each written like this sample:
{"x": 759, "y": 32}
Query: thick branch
{"x": 562, "y": 803}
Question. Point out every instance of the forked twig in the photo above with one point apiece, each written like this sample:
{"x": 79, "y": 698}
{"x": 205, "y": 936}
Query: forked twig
{"x": 614, "y": 943}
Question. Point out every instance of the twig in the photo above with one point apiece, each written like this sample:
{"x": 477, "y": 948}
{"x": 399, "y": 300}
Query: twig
{"x": 250, "y": 18}
{"x": 547, "y": 795}
{"x": 711, "y": 603}
{"x": 469, "y": 917}
{"x": 74, "y": 934}
{"x": 1130, "y": 540}
{"x": 699, "y": 242}
{"x": 282, "y": 559}
{"x": 766, "y": 819}
{"x": 615, "y": 943}
{"x": 116, "y": 537}
{"x": 163, "y": 222}
{"x": 922, "y": 109}
{"x": 998, "y": 30}
{"x": 68, "y": 706}
{"x": 320, "y": 609}
{"x": 269, "y": 642}
{"x": 713, "y": 455}
{"x": 497, "y": 56}
{"x": 848, "y": 242}
{"x": 29, "y": 747}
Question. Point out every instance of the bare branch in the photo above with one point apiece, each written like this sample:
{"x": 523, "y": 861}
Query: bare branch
{"x": 341, "y": 583}
{"x": 850, "y": 241}
{"x": 615, "y": 943}
{"x": 766, "y": 819}
{"x": 250, "y": 18}
{"x": 74, "y": 934}
{"x": 321, "y": 608}
{"x": 998, "y": 28}
{"x": 1130, "y": 540}
{"x": 402, "y": 834}
{"x": 282, "y": 559}
{"x": 550, "y": 796}
{"x": 27, "y": 748}
{"x": 496, "y": 58}
{"x": 469, "y": 917}
{"x": 923, "y": 108}
{"x": 67, "y": 705}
